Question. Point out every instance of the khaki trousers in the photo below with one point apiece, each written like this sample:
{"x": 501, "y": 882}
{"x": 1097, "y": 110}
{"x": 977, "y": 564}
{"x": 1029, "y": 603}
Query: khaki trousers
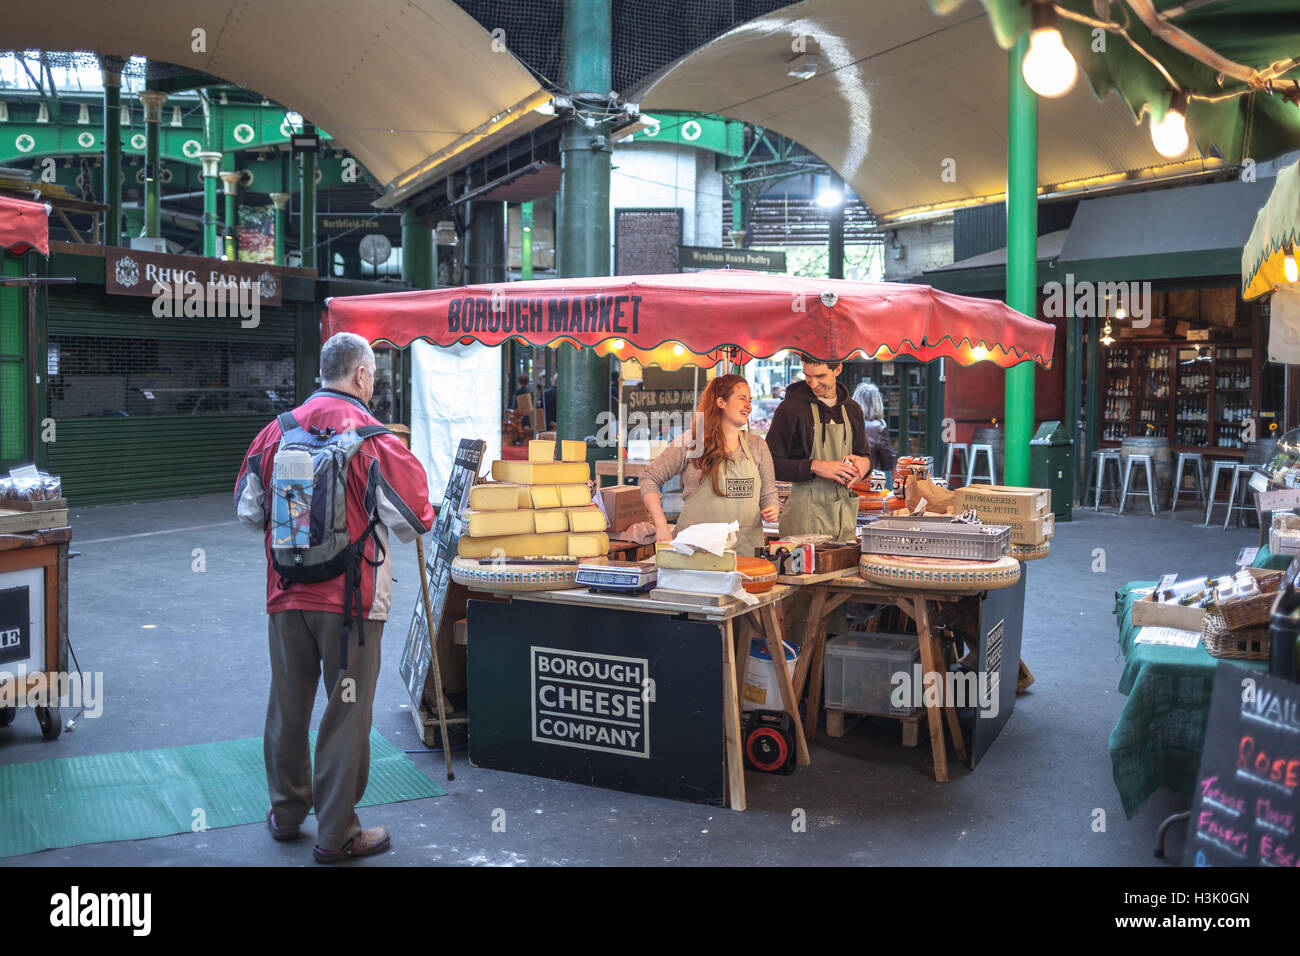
{"x": 302, "y": 643}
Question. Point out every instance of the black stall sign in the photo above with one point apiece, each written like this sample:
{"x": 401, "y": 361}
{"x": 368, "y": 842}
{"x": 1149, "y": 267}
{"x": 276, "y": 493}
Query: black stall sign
{"x": 1247, "y": 801}
{"x": 591, "y": 701}
{"x": 15, "y": 624}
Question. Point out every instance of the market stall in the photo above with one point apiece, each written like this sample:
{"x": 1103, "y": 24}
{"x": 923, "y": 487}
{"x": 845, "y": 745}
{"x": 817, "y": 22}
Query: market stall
{"x": 511, "y": 550}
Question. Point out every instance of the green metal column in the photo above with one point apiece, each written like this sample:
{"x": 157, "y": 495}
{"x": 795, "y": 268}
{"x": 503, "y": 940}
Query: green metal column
{"x": 417, "y": 251}
{"x": 526, "y": 241}
{"x": 281, "y": 202}
{"x": 737, "y": 213}
{"x": 486, "y": 261}
{"x": 211, "y": 162}
{"x": 230, "y": 182}
{"x": 307, "y": 196}
{"x": 835, "y": 253}
{"x": 934, "y": 408}
{"x": 1022, "y": 239}
{"x": 112, "y": 153}
{"x": 153, "y": 103}
{"x": 1073, "y": 341}
{"x": 582, "y": 243}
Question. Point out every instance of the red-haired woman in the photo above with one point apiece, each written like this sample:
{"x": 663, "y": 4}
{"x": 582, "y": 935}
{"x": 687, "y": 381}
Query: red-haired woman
{"x": 727, "y": 473}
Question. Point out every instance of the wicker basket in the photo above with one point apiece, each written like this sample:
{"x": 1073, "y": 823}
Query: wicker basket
{"x": 1248, "y": 644}
{"x": 1253, "y": 611}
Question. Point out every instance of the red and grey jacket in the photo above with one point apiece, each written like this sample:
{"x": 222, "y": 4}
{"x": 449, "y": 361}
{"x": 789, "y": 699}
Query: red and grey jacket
{"x": 384, "y": 480}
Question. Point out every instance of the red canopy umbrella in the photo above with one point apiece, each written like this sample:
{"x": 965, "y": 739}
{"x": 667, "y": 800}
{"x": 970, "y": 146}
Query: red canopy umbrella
{"x": 24, "y": 226}
{"x": 704, "y": 317}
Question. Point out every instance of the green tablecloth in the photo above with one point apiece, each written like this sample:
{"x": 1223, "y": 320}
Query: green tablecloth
{"x": 1158, "y": 739}
{"x": 1272, "y": 562}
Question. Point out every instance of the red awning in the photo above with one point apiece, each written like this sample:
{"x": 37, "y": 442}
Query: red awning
{"x": 703, "y": 317}
{"x": 24, "y": 226}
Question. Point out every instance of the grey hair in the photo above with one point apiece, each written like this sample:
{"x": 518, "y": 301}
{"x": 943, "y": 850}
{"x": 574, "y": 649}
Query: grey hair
{"x": 341, "y": 354}
{"x": 868, "y": 397}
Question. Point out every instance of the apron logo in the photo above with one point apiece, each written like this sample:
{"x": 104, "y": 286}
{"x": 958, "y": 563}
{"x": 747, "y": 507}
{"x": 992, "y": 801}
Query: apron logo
{"x": 740, "y": 487}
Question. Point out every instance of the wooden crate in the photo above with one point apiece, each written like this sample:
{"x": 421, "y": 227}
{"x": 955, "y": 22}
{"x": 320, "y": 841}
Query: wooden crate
{"x": 12, "y": 521}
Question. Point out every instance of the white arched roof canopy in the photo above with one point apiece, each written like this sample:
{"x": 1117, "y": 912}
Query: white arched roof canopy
{"x": 909, "y": 106}
{"x": 395, "y": 84}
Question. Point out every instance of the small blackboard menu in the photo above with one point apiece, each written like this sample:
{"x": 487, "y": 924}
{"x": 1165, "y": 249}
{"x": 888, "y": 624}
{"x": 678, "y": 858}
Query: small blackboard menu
{"x": 414, "y": 665}
{"x": 1247, "y": 800}
{"x": 646, "y": 240}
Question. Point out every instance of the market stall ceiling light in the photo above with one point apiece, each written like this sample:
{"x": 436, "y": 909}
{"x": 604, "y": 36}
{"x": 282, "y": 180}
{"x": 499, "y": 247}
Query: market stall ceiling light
{"x": 362, "y": 72}
{"x": 1048, "y": 67}
{"x": 1169, "y": 136}
{"x": 1289, "y": 265}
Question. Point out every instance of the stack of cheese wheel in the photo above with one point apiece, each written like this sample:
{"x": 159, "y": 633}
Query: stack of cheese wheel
{"x": 759, "y": 573}
{"x": 540, "y": 508}
{"x": 869, "y": 500}
{"x": 943, "y": 574}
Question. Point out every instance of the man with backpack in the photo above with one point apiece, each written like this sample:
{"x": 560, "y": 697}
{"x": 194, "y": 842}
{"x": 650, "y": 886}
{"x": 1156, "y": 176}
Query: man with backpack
{"x": 325, "y": 483}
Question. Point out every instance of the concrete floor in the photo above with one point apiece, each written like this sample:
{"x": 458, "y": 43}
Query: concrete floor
{"x": 185, "y": 661}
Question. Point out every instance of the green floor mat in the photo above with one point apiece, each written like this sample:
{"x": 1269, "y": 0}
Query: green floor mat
{"x": 150, "y": 793}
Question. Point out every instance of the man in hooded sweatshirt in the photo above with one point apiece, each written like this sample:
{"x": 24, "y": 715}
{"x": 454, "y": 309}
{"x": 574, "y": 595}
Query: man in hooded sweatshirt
{"x": 819, "y": 443}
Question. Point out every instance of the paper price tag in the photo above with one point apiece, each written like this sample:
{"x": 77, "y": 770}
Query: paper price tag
{"x": 25, "y": 471}
{"x": 1247, "y": 557}
{"x": 1258, "y": 482}
{"x": 1280, "y": 500}
{"x": 1166, "y": 581}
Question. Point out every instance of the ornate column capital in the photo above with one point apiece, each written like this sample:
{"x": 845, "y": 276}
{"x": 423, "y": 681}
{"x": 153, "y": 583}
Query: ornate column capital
{"x": 153, "y": 101}
{"x": 210, "y": 161}
{"x": 229, "y": 180}
{"x": 281, "y": 200}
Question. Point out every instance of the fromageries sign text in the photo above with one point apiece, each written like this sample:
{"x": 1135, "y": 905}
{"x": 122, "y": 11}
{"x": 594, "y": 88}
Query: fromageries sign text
{"x": 133, "y": 272}
{"x": 616, "y": 314}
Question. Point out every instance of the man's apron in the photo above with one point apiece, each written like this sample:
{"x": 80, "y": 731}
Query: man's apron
{"x": 823, "y": 506}
{"x": 739, "y": 502}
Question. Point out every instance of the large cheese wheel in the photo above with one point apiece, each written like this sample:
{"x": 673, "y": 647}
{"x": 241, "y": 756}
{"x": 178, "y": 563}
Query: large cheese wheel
{"x": 759, "y": 574}
{"x": 945, "y": 574}
{"x": 513, "y": 577}
{"x": 1029, "y": 552}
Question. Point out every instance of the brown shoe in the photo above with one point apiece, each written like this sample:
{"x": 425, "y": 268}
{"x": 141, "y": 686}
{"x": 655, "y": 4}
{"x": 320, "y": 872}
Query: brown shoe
{"x": 366, "y": 843}
{"x": 278, "y": 832}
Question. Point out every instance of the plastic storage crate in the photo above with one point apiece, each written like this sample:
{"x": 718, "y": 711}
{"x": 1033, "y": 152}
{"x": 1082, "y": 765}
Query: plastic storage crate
{"x": 930, "y": 537}
{"x": 859, "y": 668}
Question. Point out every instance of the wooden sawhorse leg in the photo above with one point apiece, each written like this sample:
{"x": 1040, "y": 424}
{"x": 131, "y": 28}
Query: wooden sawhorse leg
{"x": 731, "y": 719}
{"x": 931, "y": 664}
{"x": 815, "y": 650}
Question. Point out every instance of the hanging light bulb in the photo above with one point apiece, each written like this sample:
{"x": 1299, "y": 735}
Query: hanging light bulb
{"x": 1106, "y": 338}
{"x": 1048, "y": 67}
{"x": 1289, "y": 264}
{"x": 1170, "y": 135}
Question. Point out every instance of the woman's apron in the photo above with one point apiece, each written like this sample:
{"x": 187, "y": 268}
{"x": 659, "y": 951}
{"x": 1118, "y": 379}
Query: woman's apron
{"x": 823, "y": 506}
{"x": 739, "y": 502}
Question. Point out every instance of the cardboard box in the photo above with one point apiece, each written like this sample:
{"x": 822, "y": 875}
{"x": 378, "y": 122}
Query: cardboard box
{"x": 623, "y": 506}
{"x": 1029, "y": 530}
{"x": 997, "y": 504}
{"x": 1148, "y": 612}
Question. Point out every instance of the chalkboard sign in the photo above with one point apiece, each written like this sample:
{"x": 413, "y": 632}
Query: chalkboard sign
{"x": 1247, "y": 799}
{"x": 663, "y": 404}
{"x": 646, "y": 240}
{"x": 414, "y": 665}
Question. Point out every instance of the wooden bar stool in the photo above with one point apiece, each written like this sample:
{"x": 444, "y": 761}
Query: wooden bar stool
{"x": 954, "y": 449}
{"x": 975, "y": 452}
{"x": 1219, "y": 468}
{"x": 1197, "y": 459}
{"x": 1150, "y": 491}
{"x": 1240, "y": 483}
{"x": 1098, "y": 466}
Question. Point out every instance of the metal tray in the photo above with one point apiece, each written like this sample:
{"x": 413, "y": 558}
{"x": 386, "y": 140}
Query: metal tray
{"x": 936, "y": 537}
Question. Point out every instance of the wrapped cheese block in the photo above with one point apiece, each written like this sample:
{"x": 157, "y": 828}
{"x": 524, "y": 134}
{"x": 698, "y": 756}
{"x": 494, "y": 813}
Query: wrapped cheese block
{"x": 542, "y": 450}
{"x": 514, "y": 545}
{"x": 541, "y": 472}
{"x": 484, "y": 524}
{"x": 550, "y": 520}
{"x": 588, "y": 545}
{"x": 585, "y": 519}
{"x": 495, "y": 496}
{"x": 667, "y": 557}
{"x": 574, "y": 496}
